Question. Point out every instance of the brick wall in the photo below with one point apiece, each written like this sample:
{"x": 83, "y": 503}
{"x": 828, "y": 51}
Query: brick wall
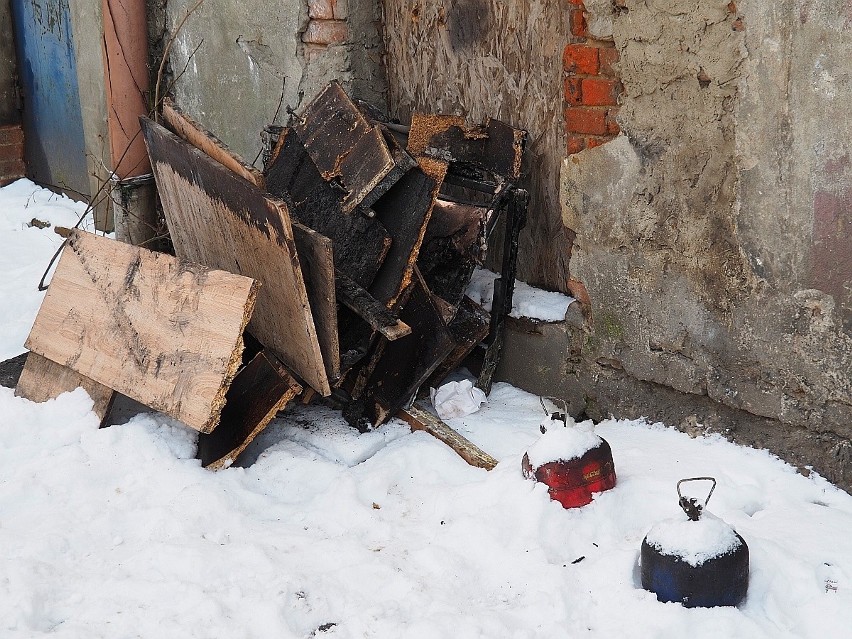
{"x": 591, "y": 85}
{"x": 11, "y": 153}
{"x": 326, "y": 25}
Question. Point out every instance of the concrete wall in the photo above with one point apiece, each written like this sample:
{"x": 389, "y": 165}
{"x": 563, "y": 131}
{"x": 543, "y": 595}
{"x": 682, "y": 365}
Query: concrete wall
{"x": 712, "y": 237}
{"x": 8, "y": 97}
{"x": 237, "y": 68}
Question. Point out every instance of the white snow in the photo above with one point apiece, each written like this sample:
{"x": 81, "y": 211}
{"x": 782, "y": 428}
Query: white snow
{"x": 527, "y": 301}
{"x": 693, "y": 541}
{"x": 562, "y": 443}
{"x": 26, "y": 252}
{"x": 118, "y": 532}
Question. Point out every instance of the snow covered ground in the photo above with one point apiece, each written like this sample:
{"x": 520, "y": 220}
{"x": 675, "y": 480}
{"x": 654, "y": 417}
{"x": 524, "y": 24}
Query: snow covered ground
{"x": 119, "y": 533}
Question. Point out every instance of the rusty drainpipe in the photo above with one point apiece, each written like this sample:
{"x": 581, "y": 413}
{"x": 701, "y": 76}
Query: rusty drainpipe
{"x": 126, "y": 81}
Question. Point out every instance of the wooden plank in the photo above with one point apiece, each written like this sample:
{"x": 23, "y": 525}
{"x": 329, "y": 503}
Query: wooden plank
{"x": 370, "y": 309}
{"x": 360, "y": 243}
{"x": 261, "y": 389}
{"x": 421, "y": 419}
{"x": 202, "y": 139}
{"x": 346, "y": 148}
{"x": 452, "y": 247}
{"x": 161, "y": 330}
{"x": 495, "y": 147}
{"x": 468, "y": 328}
{"x": 407, "y": 363}
{"x": 43, "y": 379}
{"x": 218, "y": 219}
{"x": 316, "y": 255}
{"x": 405, "y": 211}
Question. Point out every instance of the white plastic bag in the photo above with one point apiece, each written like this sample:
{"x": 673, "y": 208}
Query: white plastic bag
{"x": 456, "y": 399}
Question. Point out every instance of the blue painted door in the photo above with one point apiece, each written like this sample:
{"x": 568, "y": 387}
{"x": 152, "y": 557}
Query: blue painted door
{"x": 53, "y": 124}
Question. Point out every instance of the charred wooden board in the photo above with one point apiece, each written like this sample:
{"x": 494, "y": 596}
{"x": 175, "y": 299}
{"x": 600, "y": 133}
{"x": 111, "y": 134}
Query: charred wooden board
{"x": 360, "y": 244}
{"x": 421, "y": 419}
{"x": 370, "y": 310}
{"x": 316, "y": 255}
{"x": 161, "y": 330}
{"x": 347, "y": 149}
{"x": 219, "y": 219}
{"x": 405, "y": 211}
{"x": 43, "y": 379}
{"x": 452, "y": 247}
{"x": 261, "y": 389}
{"x": 495, "y": 147}
{"x": 202, "y": 139}
{"x": 408, "y": 362}
{"x": 468, "y": 328}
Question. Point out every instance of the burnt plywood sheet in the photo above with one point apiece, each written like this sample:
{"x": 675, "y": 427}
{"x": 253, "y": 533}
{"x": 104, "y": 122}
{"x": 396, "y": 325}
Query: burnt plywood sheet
{"x": 161, "y": 330}
{"x": 405, "y": 364}
{"x": 202, "y": 139}
{"x": 405, "y": 211}
{"x": 346, "y": 148}
{"x": 468, "y": 327}
{"x": 43, "y": 379}
{"x": 261, "y": 389}
{"x": 316, "y": 255}
{"x": 360, "y": 243}
{"x": 219, "y": 219}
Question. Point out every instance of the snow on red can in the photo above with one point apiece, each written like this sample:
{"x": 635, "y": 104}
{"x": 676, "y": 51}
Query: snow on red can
{"x": 572, "y": 461}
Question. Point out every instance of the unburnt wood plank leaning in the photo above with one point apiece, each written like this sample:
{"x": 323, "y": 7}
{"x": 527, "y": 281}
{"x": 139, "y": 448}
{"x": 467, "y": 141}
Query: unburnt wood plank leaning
{"x": 161, "y": 330}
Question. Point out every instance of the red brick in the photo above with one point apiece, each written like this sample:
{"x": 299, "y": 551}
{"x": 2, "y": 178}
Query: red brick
{"x": 608, "y": 56}
{"x": 11, "y": 170}
{"x": 325, "y": 32}
{"x": 11, "y": 134}
{"x": 573, "y": 94}
{"x": 579, "y": 58}
{"x": 11, "y": 152}
{"x": 598, "y": 92}
{"x": 612, "y": 127}
{"x": 593, "y": 142}
{"x": 321, "y": 9}
{"x": 575, "y": 144}
{"x": 578, "y": 23}
{"x": 588, "y": 121}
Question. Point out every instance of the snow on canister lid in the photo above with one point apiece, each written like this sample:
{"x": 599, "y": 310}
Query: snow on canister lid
{"x": 562, "y": 443}
{"x": 693, "y": 541}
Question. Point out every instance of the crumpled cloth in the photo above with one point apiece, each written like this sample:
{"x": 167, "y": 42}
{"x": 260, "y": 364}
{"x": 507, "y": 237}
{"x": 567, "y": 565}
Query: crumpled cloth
{"x": 456, "y": 399}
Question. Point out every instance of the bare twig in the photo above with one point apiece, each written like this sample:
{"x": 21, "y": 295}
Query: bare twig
{"x": 168, "y": 49}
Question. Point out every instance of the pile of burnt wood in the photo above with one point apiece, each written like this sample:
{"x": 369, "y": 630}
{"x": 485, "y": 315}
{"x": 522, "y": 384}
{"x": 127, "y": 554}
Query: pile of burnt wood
{"x": 356, "y": 243}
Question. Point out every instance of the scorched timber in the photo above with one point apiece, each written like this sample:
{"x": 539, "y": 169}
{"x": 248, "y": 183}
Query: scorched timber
{"x": 217, "y": 218}
{"x": 163, "y": 331}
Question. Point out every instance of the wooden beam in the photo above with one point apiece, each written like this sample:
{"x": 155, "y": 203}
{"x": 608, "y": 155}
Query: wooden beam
{"x": 202, "y": 139}
{"x": 217, "y": 218}
{"x": 163, "y": 331}
{"x": 43, "y": 379}
{"x": 261, "y": 389}
{"x": 369, "y": 309}
{"x": 421, "y": 419}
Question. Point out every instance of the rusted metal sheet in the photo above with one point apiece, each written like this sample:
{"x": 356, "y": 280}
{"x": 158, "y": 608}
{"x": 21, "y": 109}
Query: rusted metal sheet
{"x": 346, "y": 148}
{"x": 360, "y": 243}
{"x": 495, "y": 147}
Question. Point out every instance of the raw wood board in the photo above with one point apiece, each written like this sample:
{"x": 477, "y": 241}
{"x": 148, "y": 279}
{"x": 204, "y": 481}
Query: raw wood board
{"x": 202, "y": 139}
{"x": 217, "y": 218}
{"x": 360, "y": 244}
{"x": 261, "y": 389}
{"x": 43, "y": 379}
{"x": 421, "y": 419}
{"x": 161, "y": 330}
{"x": 316, "y": 255}
{"x": 346, "y": 147}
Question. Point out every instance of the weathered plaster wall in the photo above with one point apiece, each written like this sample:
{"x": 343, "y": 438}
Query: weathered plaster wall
{"x": 481, "y": 58}
{"x": 8, "y": 98}
{"x": 713, "y": 236}
{"x": 238, "y": 67}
